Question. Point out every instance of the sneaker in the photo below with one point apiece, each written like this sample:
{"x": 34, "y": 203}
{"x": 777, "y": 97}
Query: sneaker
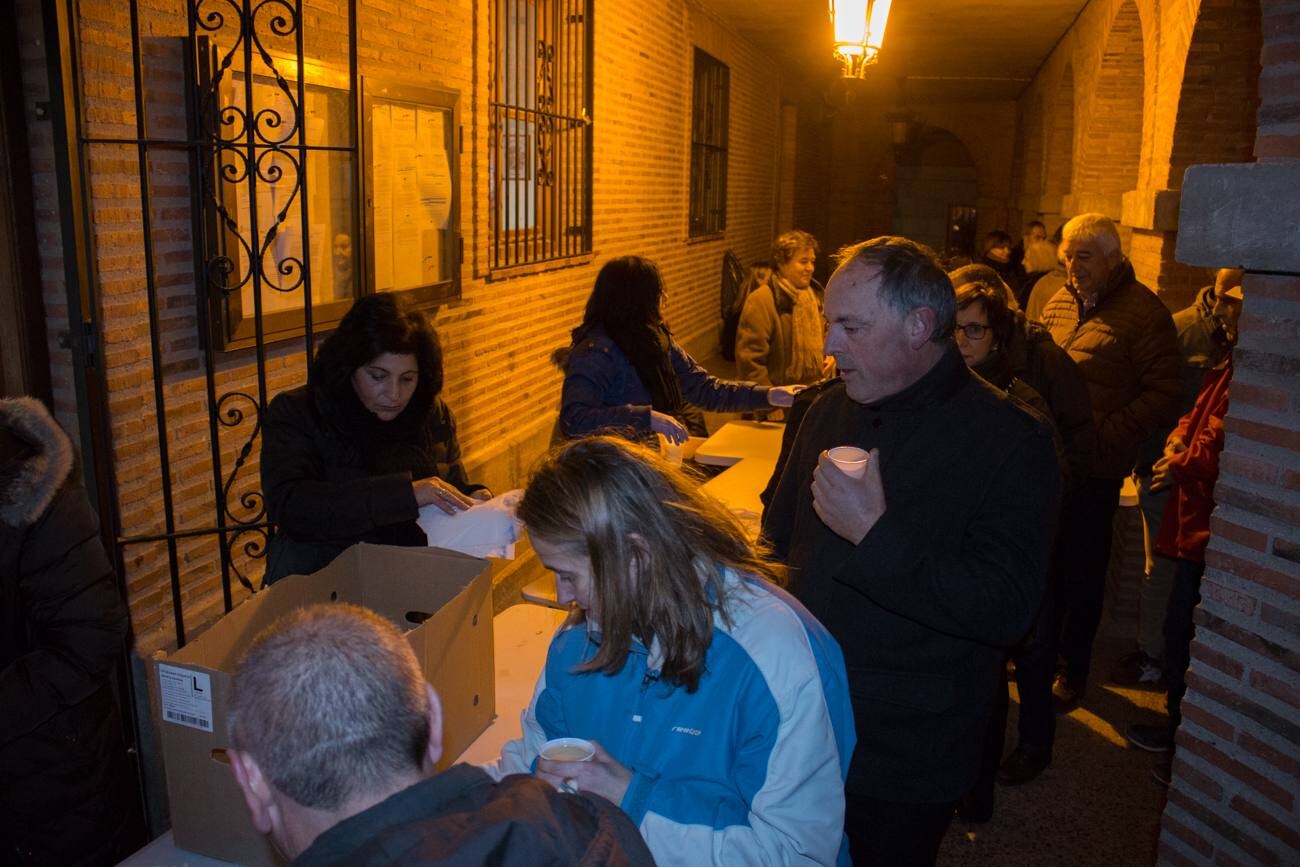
{"x": 1154, "y": 738}
{"x": 1066, "y": 694}
{"x": 1138, "y": 669}
{"x": 1023, "y": 766}
{"x": 1163, "y": 772}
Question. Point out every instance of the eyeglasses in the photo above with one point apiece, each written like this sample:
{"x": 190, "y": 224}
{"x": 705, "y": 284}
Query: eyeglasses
{"x": 974, "y": 330}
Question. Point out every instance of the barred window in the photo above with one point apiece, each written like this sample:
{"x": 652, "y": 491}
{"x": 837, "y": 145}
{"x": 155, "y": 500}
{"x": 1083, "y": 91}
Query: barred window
{"x": 540, "y": 179}
{"x": 708, "y": 212}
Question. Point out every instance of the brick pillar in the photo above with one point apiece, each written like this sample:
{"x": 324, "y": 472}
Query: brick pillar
{"x": 1235, "y": 795}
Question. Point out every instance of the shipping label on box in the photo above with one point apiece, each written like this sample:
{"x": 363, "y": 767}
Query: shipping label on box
{"x": 441, "y": 598}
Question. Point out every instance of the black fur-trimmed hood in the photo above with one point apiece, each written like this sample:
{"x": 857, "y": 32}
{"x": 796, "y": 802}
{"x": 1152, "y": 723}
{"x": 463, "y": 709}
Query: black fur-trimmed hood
{"x": 28, "y": 482}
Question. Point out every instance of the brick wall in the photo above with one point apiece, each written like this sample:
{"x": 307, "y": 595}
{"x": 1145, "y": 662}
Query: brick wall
{"x": 1142, "y": 90}
{"x": 1235, "y": 796}
{"x": 1109, "y": 148}
{"x": 497, "y": 336}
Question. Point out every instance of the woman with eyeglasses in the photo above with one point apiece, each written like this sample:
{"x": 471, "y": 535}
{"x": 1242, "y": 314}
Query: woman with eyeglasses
{"x": 984, "y": 323}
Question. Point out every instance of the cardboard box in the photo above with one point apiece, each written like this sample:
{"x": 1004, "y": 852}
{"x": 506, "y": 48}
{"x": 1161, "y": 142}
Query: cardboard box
{"x": 443, "y": 598}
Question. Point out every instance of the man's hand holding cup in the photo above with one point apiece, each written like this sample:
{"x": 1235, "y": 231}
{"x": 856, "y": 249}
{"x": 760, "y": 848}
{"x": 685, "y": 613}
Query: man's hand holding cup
{"x": 848, "y": 494}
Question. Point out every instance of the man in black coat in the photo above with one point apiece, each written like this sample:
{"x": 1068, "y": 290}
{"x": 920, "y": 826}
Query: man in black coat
{"x": 928, "y": 566}
{"x": 334, "y": 736}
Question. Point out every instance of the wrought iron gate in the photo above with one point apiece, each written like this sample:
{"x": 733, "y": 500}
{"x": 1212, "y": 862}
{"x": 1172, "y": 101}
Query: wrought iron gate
{"x": 192, "y": 140}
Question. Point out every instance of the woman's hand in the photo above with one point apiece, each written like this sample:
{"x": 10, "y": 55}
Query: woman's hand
{"x": 603, "y": 775}
{"x": 482, "y": 495}
{"x": 673, "y": 430}
{"x": 783, "y": 395}
{"x": 434, "y": 491}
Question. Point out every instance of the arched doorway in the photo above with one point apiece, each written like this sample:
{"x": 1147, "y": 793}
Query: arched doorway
{"x": 1111, "y": 147}
{"x": 1215, "y": 122}
{"x": 1220, "y": 92}
{"x": 935, "y": 174}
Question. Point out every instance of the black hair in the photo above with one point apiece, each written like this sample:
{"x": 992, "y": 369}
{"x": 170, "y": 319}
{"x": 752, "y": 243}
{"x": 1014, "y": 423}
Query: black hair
{"x": 996, "y": 238}
{"x": 377, "y": 324}
{"x": 625, "y": 300}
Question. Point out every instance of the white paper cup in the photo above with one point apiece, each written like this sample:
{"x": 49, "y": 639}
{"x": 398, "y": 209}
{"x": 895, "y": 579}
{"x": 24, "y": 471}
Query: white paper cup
{"x": 568, "y": 750}
{"x": 851, "y": 460}
{"x": 670, "y": 450}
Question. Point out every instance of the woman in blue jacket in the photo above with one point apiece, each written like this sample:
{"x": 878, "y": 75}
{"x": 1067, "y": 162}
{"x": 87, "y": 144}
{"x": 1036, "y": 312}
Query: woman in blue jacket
{"x": 625, "y": 374}
{"x": 717, "y": 702}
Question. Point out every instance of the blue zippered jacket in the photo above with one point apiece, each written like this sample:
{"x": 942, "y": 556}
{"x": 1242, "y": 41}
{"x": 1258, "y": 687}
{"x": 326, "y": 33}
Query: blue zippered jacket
{"x": 748, "y": 769}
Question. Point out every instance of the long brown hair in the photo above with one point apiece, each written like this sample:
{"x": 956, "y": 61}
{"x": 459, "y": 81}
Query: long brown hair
{"x": 658, "y": 548}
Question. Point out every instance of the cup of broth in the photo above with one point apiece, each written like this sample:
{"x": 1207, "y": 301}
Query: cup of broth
{"x": 568, "y": 750}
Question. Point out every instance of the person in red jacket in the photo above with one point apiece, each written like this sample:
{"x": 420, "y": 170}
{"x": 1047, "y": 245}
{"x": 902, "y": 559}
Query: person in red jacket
{"x": 1189, "y": 468}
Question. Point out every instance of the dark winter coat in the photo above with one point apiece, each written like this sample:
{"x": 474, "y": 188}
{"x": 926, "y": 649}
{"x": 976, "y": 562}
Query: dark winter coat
{"x": 461, "y": 818}
{"x": 951, "y": 574}
{"x": 1128, "y": 351}
{"x": 63, "y": 770}
{"x": 1049, "y": 370}
{"x": 328, "y": 488}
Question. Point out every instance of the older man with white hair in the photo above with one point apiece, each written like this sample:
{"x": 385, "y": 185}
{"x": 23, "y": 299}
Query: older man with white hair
{"x": 1123, "y": 339}
{"x": 334, "y": 736}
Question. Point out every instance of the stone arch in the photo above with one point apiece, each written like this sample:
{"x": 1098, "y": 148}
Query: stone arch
{"x": 935, "y": 171}
{"x": 1058, "y": 152}
{"x": 1220, "y": 91}
{"x": 1110, "y": 150}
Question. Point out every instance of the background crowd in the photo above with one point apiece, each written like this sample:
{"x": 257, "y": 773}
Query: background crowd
{"x": 833, "y": 691}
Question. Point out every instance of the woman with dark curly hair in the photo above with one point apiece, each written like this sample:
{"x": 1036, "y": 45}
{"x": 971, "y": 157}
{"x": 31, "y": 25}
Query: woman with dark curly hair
{"x": 625, "y": 374}
{"x": 353, "y": 455}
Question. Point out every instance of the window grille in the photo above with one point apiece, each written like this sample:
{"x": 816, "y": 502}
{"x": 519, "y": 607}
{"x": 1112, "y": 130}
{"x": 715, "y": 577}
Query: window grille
{"x": 540, "y": 177}
{"x": 708, "y": 214}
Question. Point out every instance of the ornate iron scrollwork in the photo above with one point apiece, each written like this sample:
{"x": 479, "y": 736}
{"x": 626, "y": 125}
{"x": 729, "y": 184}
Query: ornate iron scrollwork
{"x": 545, "y": 113}
{"x": 245, "y": 144}
{"x": 252, "y": 502}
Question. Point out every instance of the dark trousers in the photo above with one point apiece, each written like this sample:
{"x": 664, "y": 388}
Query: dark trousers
{"x": 1179, "y": 630}
{"x": 1035, "y": 668}
{"x": 1079, "y": 567}
{"x": 980, "y": 798}
{"x": 889, "y": 834}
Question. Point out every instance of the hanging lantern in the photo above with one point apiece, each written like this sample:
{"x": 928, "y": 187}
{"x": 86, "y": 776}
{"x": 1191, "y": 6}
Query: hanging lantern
{"x": 859, "y": 32}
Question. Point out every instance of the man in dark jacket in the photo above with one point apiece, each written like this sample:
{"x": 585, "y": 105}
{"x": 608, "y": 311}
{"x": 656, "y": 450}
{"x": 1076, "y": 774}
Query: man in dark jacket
{"x": 335, "y": 734}
{"x": 1122, "y": 337}
{"x": 927, "y": 567}
{"x": 65, "y": 790}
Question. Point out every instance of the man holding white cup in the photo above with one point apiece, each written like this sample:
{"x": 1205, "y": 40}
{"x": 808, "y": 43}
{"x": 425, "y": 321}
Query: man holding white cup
{"x": 924, "y": 560}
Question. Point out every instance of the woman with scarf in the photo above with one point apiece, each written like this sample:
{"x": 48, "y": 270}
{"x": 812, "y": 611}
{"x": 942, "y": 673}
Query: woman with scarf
{"x": 353, "y": 455}
{"x": 625, "y": 374}
{"x": 780, "y": 335}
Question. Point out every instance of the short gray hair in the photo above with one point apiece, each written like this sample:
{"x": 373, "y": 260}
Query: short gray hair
{"x": 331, "y": 703}
{"x": 1093, "y": 227}
{"x": 910, "y": 277}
